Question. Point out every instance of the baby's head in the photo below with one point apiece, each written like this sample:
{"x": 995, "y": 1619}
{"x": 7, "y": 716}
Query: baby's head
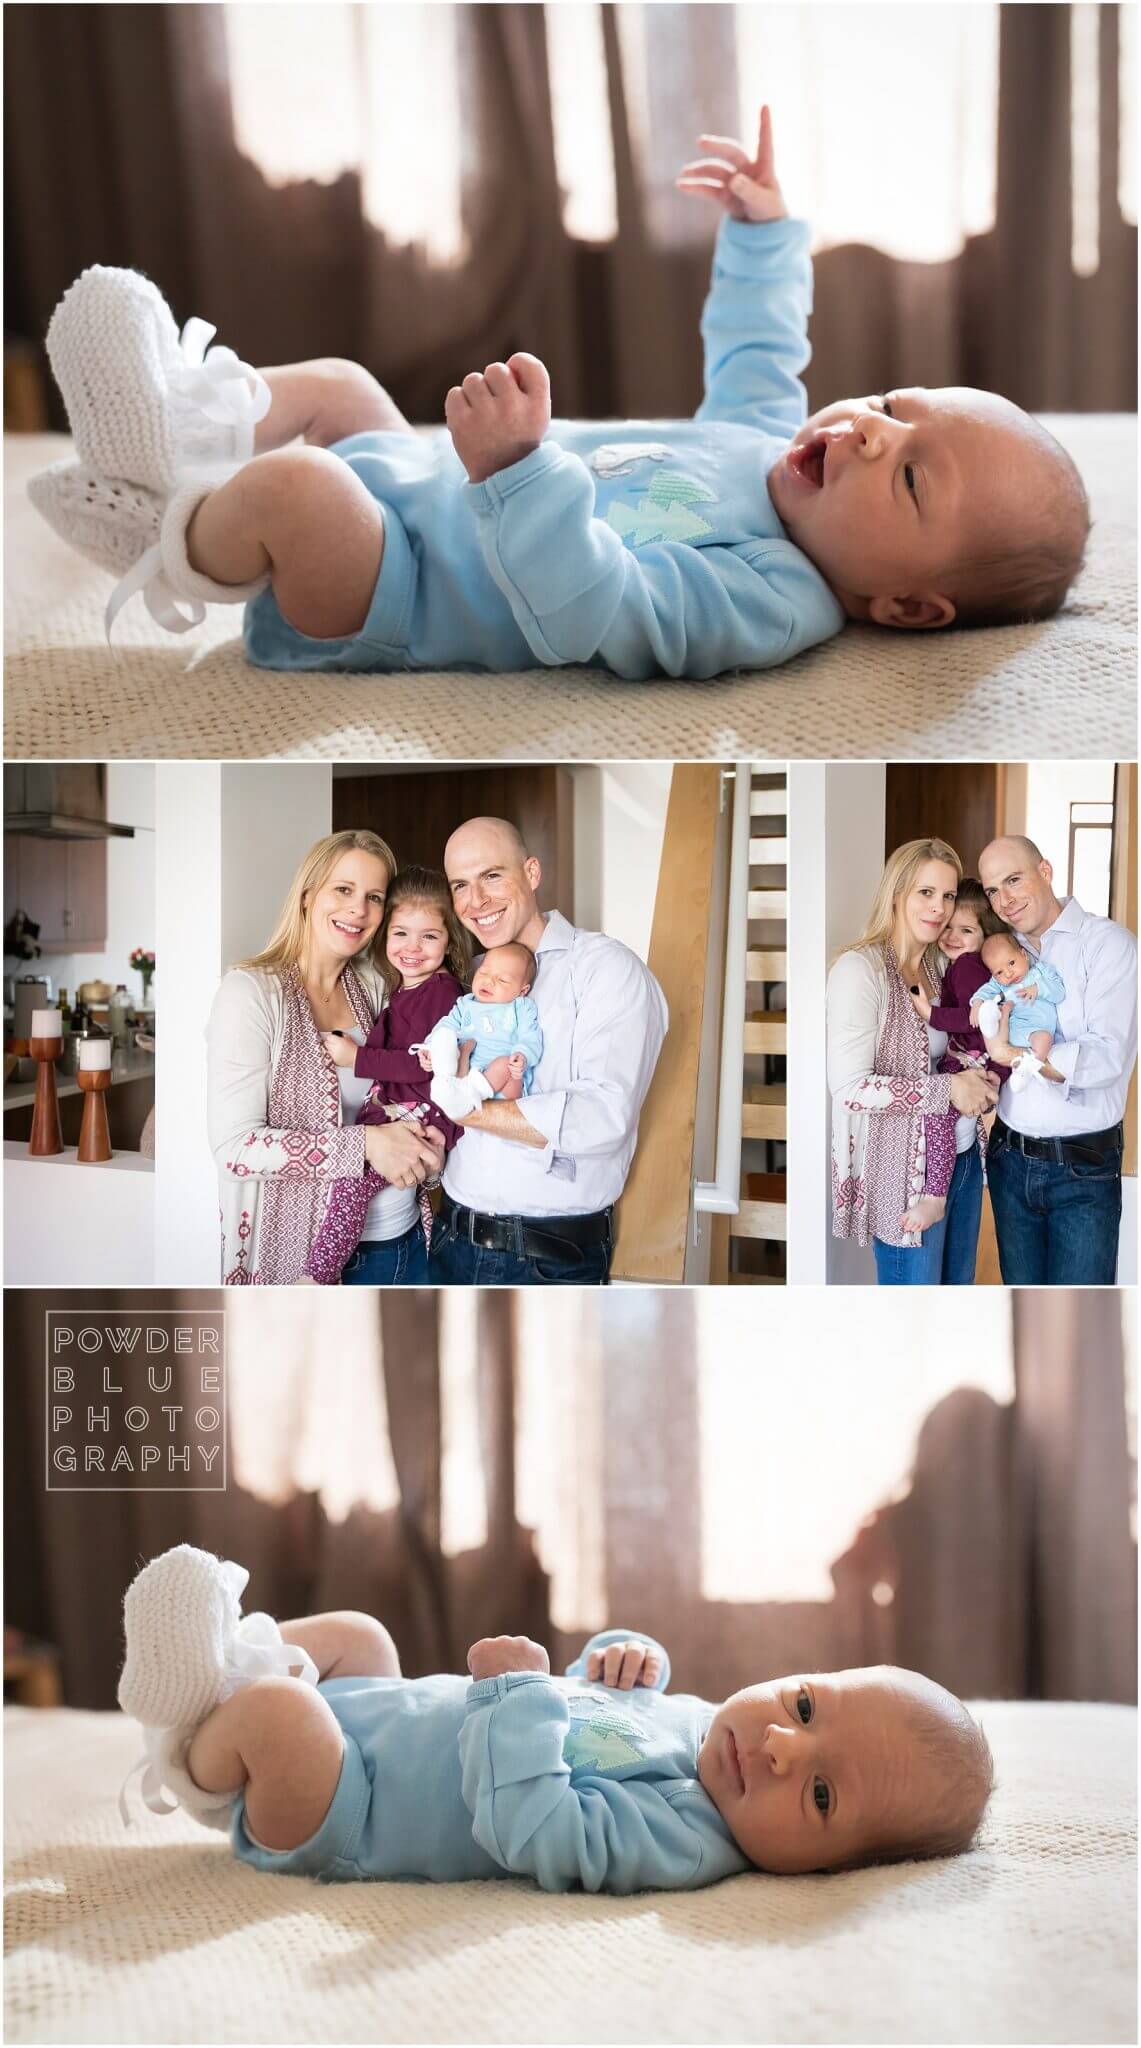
{"x": 504, "y": 973}
{"x": 1005, "y": 958}
{"x": 932, "y": 508}
{"x": 972, "y": 921}
{"x": 846, "y": 1767}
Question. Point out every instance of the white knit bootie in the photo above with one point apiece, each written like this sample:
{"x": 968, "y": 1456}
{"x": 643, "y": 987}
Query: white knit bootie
{"x": 137, "y": 537}
{"x": 143, "y": 404}
{"x": 188, "y": 1649}
{"x": 990, "y": 1017}
{"x": 1027, "y": 1068}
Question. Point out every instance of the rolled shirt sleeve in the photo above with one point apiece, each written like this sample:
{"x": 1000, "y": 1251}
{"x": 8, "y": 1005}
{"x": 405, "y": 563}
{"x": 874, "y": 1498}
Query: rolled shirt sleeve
{"x": 1102, "y": 1055}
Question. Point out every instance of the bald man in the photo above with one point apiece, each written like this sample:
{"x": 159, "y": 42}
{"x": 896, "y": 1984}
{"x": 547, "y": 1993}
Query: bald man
{"x": 1054, "y": 1159}
{"x": 529, "y": 1194}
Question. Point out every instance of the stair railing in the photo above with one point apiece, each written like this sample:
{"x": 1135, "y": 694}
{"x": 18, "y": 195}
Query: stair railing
{"x": 721, "y": 1196}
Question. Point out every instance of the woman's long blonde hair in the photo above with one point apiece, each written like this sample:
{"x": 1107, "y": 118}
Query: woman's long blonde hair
{"x": 899, "y": 873}
{"x": 286, "y": 944}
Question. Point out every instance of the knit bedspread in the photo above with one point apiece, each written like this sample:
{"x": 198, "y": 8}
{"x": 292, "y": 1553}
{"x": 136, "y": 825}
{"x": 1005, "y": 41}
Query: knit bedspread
{"x": 1066, "y": 688}
{"x": 156, "y": 1934}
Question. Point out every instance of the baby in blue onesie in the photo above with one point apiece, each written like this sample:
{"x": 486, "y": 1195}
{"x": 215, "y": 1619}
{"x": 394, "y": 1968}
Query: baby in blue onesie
{"x": 683, "y": 547}
{"x": 1034, "y": 989}
{"x": 500, "y": 1023}
{"x": 317, "y": 1757}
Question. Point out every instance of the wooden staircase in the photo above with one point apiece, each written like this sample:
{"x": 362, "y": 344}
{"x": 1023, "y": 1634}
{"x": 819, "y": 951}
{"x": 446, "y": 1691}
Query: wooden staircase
{"x": 749, "y": 1248}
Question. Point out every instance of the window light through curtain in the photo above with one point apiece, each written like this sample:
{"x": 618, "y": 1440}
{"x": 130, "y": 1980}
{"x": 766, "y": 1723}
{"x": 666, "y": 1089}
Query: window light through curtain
{"x": 312, "y": 93}
{"x": 796, "y": 1452}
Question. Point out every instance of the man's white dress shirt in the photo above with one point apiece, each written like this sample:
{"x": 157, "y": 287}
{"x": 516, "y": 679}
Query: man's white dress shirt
{"x": 604, "y": 1018}
{"x": 1096, "y": 1042}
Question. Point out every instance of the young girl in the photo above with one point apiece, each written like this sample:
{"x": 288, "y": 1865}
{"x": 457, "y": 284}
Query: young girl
{"x": 972, "y": 922}
{"x": 424, "y": 962}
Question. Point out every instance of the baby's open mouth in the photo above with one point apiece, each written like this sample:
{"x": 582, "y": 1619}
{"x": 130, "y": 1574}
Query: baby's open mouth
{"x": 807, "y": 461}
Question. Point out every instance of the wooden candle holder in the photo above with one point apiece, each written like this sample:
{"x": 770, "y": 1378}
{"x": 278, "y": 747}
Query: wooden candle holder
{"x": 94, "y": 1136}
{"x": 46, "y": 1135}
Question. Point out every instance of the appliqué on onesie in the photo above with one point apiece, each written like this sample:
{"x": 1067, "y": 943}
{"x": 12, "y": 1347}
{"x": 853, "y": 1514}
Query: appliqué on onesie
{"x": 665, "y": 511}
{"x": 607, "y": 1742}
{"x": 618, "y": 458}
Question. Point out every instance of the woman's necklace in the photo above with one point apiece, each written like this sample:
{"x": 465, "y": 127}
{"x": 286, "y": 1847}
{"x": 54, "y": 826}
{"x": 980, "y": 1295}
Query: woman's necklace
{"x": 328, "y": 1005}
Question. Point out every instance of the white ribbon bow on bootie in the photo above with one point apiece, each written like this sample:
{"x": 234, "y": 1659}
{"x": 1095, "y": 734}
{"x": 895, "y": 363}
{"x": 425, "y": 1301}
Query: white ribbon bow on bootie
{"x": 228, "y": 393}
{"x": 257, "y": 1652}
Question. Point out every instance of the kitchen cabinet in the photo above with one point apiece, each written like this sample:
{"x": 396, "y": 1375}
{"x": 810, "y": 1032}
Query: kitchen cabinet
{"x": 62, "y": 885}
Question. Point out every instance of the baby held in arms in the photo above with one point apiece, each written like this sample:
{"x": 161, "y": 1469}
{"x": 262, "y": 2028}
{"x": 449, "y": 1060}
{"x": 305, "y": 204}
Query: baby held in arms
{"x": 1025, "y": 993}
{"x": 680, "y": 547}
{"x": 307, "y": 1746}
{"x": 491, "y": 1041}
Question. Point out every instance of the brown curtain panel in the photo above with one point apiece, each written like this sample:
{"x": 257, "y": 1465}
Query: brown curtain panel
{"x": 120, "y": 149}
{"x": 69, "y": 1557}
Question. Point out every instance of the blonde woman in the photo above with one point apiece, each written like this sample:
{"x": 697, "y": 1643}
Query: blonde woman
{"x": 882, "y": 1079}
{"x": 280, "y": 1112}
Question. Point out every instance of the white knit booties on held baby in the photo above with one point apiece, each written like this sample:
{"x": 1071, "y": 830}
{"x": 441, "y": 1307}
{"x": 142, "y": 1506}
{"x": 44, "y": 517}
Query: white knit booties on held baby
{"x": 188, "y": 1649}
{"x": 129, "y": 531}
{"x": 457, "y": 1095}
{"x": 1027, "y": 1068}
{"x": 990, "y": 1017}
{"x": 141, "y": 402}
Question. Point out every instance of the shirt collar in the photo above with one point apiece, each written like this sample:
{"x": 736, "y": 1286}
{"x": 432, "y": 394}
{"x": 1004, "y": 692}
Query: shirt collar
{"x": 558, "y": 935}
{"x": 1070, "y": 918}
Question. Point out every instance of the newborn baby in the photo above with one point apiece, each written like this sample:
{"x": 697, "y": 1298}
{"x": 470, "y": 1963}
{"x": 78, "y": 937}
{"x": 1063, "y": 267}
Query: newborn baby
{"x": 1034, "y": 990}
{"x": 677, "y": 547}
{"x": 500, "y": 1023}
{"x": 600, "y": 1779}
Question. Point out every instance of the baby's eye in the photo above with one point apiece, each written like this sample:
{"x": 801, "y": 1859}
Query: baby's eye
{"x": 886, "y": 404}
{"x": 821, "y": 1797}
{"x": 909, "y": 476}
{"x": 804, "y": 1706}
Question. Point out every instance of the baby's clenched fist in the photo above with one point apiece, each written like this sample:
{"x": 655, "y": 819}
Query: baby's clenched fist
{"x": 497, "y": 416}
{"x": 493, "y": 1655}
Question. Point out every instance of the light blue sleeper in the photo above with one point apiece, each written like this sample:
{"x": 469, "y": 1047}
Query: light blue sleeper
{"x": 651, "y": 547}
{"x": 573, "y": 1784}
{"x": 1041, "y": 1015}
{"x": 498, "y": 1030}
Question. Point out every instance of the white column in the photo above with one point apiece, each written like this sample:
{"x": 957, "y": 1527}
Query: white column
{"x": 188, "y": 902}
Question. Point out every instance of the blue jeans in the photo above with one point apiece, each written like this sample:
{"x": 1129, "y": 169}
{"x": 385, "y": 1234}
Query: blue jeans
{"x": 1057, "y": 1221}
{"x": 946, "y": 1254}
{"x": 390, "y": 1262}
{"x": 456, "y": 1262}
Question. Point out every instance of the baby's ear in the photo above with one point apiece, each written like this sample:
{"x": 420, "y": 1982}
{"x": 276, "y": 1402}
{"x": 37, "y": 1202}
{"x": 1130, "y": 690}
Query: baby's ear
{"x": 915, "y": 614}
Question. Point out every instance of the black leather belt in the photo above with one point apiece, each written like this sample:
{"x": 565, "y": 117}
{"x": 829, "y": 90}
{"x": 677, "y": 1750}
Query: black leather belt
{"x": 528, "y": 1237}
{"x": 1090, "y": 1149}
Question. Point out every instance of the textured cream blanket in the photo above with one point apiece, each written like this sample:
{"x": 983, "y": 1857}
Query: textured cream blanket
{"x": 157, "y": 1935}
{"x": 1067, "y": 688}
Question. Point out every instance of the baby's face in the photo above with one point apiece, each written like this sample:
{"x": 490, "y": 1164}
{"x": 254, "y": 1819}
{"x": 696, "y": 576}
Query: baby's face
{"x": 964, "y": 934}
{"x": 886, "y": 494}
{"x": 811, "y": 1772}
{"x": 1007, "y": 962}
{"x": 500, "y": 976}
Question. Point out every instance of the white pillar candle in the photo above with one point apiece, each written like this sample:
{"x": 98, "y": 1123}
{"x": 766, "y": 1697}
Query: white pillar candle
{"x": 95, "y": 1054}
{"x": 47, "y": 1024}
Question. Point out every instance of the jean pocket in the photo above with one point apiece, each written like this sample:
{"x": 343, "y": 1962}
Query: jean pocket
{"x": 1107, "y": 1169}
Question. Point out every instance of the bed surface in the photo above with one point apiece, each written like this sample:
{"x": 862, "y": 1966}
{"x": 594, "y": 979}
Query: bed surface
{"x": 157, "y": 1935}
{"x": 1067, "y": 688}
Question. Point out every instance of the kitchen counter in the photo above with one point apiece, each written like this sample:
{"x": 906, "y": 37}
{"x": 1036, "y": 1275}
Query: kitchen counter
{"x": 131, "y": 1065}
{"x": 68, "y": 1225}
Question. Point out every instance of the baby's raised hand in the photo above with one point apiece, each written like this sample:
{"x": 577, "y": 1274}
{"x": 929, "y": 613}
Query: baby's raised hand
{"x": 517, "y": 1065}
{"x": 499, "y": 415}
{"x": 1029, "y": 995}
{"x": 493, "y": 1655}
{"x": 342, "y": 1051}
{"x": 746, "y": 187}
{"x": 624, "y": 1665}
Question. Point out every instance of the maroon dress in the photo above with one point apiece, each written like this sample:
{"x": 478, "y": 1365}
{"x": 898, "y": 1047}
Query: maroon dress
{"x": 407, "y": 1019}
{"x": 952, "y": 1014}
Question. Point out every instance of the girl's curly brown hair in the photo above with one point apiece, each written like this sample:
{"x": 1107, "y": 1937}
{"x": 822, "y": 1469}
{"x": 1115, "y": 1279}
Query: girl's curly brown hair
{"x": 427, "y": 887}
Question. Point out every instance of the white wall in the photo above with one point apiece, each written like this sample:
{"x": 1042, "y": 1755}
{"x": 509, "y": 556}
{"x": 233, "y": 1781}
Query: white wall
{"x": 1051, "y": 787}
{"x": 228, "y": 838}
{"x": 619, "y": 824}
{"x": 835, "y": 859}
{"x": 130, "y": 891}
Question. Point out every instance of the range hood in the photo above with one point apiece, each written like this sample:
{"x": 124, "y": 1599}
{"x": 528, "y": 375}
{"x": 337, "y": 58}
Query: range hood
{"x": 65, "y": 800}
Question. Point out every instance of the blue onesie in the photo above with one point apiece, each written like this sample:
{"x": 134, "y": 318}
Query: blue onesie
{"x": 1040, "y": 1015}
{"x": 651, "y": 547}
{"x": 567, "y": 1782}
{"x": 498, "y": 1029}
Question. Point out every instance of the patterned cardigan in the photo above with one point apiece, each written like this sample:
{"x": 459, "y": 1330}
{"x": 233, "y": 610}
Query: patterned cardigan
{"x": 879, "y": 1077}
{"x": 274, "y": 1119}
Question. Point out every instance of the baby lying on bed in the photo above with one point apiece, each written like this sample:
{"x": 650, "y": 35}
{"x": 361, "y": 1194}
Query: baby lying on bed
{"x": 679, "y": 547}
{"x": 345, "y": 1769}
